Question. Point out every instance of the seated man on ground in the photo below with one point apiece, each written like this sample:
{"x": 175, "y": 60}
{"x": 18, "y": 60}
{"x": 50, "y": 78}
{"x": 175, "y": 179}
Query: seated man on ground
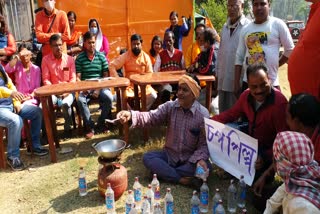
{"x": 134, "y": 61}
{"x": 58, "y": 67}
{"x": 303, "y": 115}
{"x": 93, "y": 64}
{"x": 300, "y": 192}
{"x": 264, "y": 107}
{"x": 12, "y": 113}
{"x": 169, "y": 59}
{"x": 185, "y": 145}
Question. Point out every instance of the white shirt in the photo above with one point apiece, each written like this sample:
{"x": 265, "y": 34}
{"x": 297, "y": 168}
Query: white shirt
{"x": 261, "y": 42}
{"x": 291, "y": 204}
{"x": 157, "y": 64}
{"x": 227, "y": 54}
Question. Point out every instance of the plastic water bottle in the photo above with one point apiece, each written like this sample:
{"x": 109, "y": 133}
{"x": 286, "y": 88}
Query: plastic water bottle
{"x": 241, "y": 193}
{"x": 137, "y": 190}
{"x": 220, "y": 208}
{"x": 195, "y": 202}
{"x": 232, "y": 197}
{"x": 156, "y": 187}
{"x": 110, "y": 200}
{"x": 215, "y": 200}
{"x": 204, "y": 197}
{"x": 129, "y": 201}
{"x": 157, "y": 209}
{"x": 145, "y": 208}
{"x": 168, "y": 203}
{"x": 150, "y": 196}
{"x": 133, "y": 209}
{"x": 82, "y": 182}
{"x": 201, "y": 173}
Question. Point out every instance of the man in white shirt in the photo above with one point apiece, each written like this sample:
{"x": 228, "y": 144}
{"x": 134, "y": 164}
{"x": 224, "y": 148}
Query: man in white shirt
{"x": 230, "y": 36}
{"x": 260, "y": 42}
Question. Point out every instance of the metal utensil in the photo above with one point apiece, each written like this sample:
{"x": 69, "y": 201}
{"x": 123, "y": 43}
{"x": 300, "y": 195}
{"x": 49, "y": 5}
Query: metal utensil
{"x": 112, "y": 121}
{"x": 109, "y": 148}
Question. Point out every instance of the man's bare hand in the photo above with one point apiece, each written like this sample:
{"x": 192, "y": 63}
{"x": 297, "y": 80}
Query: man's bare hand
{"x": 17, "y": 95}
{"x": 95, "y": 94}
{"x": 124, "y": 116}
{"x": 17, "y": 108}
{"x": 203, "y": 164}
{"x": 259, "y": 185}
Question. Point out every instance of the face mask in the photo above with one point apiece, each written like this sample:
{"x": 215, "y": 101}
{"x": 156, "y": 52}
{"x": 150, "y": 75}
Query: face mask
{"x": 202, "y": 48}
{"x": 49, "y": 5}
{"x": 94, "y": 30}
{"x": 136, "y": 51}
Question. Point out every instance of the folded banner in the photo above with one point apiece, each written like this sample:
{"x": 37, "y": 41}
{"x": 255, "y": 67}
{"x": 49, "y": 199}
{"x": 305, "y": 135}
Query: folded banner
{"x": 232, "y": 150}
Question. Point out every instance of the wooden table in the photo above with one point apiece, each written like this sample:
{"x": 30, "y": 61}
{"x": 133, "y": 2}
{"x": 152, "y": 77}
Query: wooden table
{"x": 158, "y": 78}
{"x": 45, "y": 93}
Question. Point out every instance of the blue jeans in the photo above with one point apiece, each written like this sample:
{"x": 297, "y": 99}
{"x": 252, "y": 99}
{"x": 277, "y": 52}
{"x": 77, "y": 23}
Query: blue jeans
{"x": 105, "y": 101}
{"x": 66, "y": 109}
{"x": 157, "y": 162}
{"x": 14, "y": 123}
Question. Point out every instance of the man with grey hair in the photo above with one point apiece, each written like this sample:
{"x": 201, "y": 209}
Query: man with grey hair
{"x": 228, "y": 46}
{"x": 260, "y": 41}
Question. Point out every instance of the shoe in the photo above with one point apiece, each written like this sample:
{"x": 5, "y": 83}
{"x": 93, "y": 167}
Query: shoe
{"x": 39, "y": 151}
{"x": 15, "y": 163}
{"x": 90, "y": 134}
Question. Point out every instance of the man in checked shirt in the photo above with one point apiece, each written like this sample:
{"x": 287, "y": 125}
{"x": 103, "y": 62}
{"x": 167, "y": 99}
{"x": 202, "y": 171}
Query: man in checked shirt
{"x": 185, "y": 146}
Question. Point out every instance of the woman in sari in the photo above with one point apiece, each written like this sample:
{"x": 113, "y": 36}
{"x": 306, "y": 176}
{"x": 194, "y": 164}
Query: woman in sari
{"x": 74, "y": 45}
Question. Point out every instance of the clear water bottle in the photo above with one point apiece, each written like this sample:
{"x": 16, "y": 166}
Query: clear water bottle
{"x": 232, "y": 197}
{"x": 82, "y": 182}
{"x": 156, "y": 187}
{"x": 137, "y": 190}
{"x": 204, "y": 197}
{"x": 109, "y": 196}
{"x": 150, "y": 196}
{"x": 129, "y": 201}
{"x": 241, "y": 193}
{"x": 220, "y": 208}
{"x": 168, "y": 203}
{"x": 157, "y": 209}
{"x": 133, "y": 209}
{"x": 195, "y": 202}
{"x": 145, "y": 207}
{"x": 215, "y": 200}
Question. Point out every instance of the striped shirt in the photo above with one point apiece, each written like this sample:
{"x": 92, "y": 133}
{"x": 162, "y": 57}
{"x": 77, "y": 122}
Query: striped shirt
{"x": 91, "y": 68}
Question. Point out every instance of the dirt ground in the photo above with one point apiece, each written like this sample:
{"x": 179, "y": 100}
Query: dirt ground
{"x": 53, "y": 188}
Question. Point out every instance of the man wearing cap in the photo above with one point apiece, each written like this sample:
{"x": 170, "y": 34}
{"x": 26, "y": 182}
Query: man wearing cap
{"x": 185, "y": 145}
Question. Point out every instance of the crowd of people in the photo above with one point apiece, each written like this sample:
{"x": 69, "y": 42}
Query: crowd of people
{"x": 245, "y": 60}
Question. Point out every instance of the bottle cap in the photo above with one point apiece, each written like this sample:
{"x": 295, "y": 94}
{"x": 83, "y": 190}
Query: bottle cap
{"x": 194, "y": 192}
{"x": 129, "y": 191}
{"x": 149, "y": 186}
{"x": 217, "y": 190}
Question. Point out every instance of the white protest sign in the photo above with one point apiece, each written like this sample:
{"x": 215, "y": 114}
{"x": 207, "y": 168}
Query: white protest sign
{"x": 232, "y": 150}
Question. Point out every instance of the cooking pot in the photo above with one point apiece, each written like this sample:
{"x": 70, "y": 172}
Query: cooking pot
{"x": 109, "y": 148}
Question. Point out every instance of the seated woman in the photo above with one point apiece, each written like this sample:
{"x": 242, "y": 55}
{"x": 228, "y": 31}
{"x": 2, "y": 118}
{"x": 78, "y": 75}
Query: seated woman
{"x": 205, "y": 62}
{"x": 12, "y": 113}
{"x": 74, "y": 44}
{"x": 156, "y": 47}
{"x": 300, "y": 193}
{"x": 27, "y": 75}
{"x": 102, "y": 43}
